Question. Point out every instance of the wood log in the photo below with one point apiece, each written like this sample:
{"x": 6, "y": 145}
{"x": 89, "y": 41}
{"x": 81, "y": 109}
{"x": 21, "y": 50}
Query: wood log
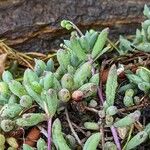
{"x": 34, "y": 25}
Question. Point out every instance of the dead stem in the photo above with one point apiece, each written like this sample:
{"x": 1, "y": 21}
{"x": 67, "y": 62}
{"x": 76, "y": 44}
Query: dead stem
{"x": 129, "y": 137}
{"x": 72, "y": 129}
{"x": 91, "y": 109}
{"x": 134, "y": 107}
{"x": 103, "y": 136}
{"x": 78, "y": 128}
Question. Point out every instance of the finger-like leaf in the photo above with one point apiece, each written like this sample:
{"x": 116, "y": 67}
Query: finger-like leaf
{"x": 111, "y": 85}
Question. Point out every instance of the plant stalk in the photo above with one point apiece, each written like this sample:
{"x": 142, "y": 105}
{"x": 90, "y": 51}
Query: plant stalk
{"x": 115, "y": 136}
{"x": 49, "y": 133}
{"x": 100, "y": 93}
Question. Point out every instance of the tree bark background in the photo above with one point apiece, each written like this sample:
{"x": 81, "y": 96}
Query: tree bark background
{"x": 34, "y": 25}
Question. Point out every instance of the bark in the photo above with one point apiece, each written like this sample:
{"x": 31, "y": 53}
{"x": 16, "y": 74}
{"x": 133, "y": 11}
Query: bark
{"x": 34, "y": 25}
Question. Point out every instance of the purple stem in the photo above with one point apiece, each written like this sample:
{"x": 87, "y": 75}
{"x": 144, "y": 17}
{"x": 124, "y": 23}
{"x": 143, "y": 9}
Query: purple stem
{"x": 100, "y": 87}
{"x": 49, "y": 133}
{"x": 116, "y": 139}
{"x": 113, "y": 129}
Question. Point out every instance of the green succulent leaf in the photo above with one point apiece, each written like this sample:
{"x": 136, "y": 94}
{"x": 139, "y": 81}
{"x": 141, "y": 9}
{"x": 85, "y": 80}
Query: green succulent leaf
{"x": 128, "y": 120}
{"x": 146, "y": 11}
{"x": 39, "y": 67}
{"x": 41, "y": 144}
{"x": 57, "y": 136}
{"x": 50, "y": 101}
{"x": 111, "y": 85}
{"x": 17, "y": 88}
{"x": 92, "y": 142}
{"x": 10, "y": 110}
{"x": 138, "y": 139}
{"x": 31, "y": 119}
{"x": 27, "y": 147}
{"x": 100, "y": 42}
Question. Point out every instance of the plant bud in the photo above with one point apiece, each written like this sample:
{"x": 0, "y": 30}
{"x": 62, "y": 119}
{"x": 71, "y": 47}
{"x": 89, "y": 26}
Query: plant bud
{"x": 12, "y": 142}
{"x": 63, "y": 23}
{"x": 128, "y": 98}
{"x": 41, "y": 81}
{"x": 137, "y": 100}
{"x": 7, "y": 76}
{"x": 109, "y": 120}
{"x": 68, "y": 26}
{"x": 50, "y": 65}
{"x": 111, "y": 110}
{"x": 74, "y": 60}
{"x": 41, "y": 144}
{"x": 36, "y": 87}
{"x": 26, "y": 101}
{"x": 39, "y": 67}
{"x": 128, "y": 101}
{"x": 77, "y": 95}
{"x": 110, "y": 146}
{"x": 91, "y": 126}
{"x": 7, "y": 125}
{"x": 64, "y": 95}
{"x": 101, "y": 113}
{"x": 2, "y": 139}
{"x": 67, "y": 81}
{"x": 88, "y": 89}
{"x": 59, "y": 72}
{"x": 4, "y": 89}
{"x": 129, "y": 92}
{"x": 93, "y": 103}
{"x": 71, "y": 140}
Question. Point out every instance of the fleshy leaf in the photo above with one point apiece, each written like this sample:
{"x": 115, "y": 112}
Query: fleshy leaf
{"x": 111, "y": 85}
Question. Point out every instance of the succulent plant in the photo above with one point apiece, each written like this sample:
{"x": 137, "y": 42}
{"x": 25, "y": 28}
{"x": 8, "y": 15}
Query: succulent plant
{"x": 141, "y": 41}
{"x": 141, "y": 79}
{"x": 75, "y": 80}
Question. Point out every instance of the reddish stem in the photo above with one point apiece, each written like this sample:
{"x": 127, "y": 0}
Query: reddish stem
{"x": 100, "y": 93}
{"x": 49, "y": 133}
{"x": 116, "y": 139}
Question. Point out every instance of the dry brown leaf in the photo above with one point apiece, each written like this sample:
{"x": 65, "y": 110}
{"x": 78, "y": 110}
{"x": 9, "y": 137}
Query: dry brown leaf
{"x": 3, "y": 58}
{"x": 123, "y": 131}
